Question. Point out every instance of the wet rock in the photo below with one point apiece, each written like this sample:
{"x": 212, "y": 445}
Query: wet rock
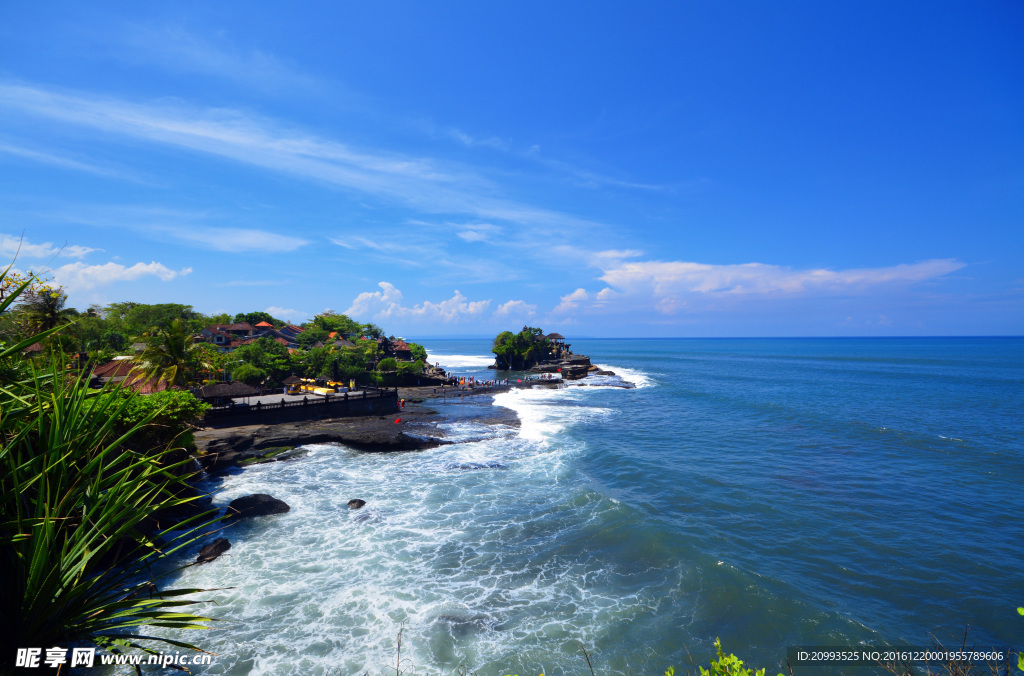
{"x": 356, "y": 503}
{"x": 259, "y": 504}
{"x": 213, "y": 550}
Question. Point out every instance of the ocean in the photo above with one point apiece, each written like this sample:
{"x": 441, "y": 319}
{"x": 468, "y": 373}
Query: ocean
{"x": 770, "y": 492}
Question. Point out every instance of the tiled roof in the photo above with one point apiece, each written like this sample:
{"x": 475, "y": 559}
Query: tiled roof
{"x": 119, "y": 368}
{"x": 265, "y": 325}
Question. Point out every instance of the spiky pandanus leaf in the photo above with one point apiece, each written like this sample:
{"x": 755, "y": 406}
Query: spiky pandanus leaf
{"x": 73, "y": 493}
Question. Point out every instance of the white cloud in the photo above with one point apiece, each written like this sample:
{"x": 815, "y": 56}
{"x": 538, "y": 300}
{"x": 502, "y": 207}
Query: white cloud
{"x": 480, "y": 232}
{"x": 571, "y": 301}
{"x": 10, "y": 246}
{"x": 287, "y": 313}
{"x": 516, "y": 308}
{"x": 79, "y": 276}
{"x": 369, "y": 303}
{"x": 387, "y": 303}
{"x": 236, "y": 239}
{"x": 670, "y": 277}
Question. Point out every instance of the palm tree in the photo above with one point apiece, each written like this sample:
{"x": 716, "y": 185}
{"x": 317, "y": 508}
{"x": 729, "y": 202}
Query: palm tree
{"x": 172, "y": 356}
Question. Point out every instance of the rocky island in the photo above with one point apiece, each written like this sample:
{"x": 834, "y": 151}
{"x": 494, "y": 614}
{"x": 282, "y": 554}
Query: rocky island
{"x": 531, "y": 350}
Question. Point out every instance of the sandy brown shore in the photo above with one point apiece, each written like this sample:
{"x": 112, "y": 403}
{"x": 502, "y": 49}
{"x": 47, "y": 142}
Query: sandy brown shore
{"x": 417, "y": 429}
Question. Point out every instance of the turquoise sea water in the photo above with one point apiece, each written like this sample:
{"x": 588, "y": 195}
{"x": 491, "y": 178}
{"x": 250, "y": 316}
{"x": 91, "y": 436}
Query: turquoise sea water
{"x": 771, "y": 492}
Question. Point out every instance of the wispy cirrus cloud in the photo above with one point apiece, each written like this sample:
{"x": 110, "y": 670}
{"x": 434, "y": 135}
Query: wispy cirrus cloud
{"x": 177, "y": 49}
{"x": 387, "y": 303}
{"x": 423, "y": 183}
{"x": 64, "y": 162}
{"x": 197, "y": 228}
{"x": 237, "y": 239}
{"x": 11, "y": 246}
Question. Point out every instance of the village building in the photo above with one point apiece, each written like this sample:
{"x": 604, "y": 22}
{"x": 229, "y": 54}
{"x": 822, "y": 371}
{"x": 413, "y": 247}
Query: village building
{"x": 228, "y": 337}
{"x": 121, "y": 370}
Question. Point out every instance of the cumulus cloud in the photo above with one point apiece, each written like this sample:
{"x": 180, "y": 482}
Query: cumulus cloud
{"x": 571, "y": 301}
{"x": 79, "y": 276}
{"x": 9, "y": 246}
{"x": 369, "y": 303}
{"x": 387, "y": 303}
{"x": 516, "y": 308}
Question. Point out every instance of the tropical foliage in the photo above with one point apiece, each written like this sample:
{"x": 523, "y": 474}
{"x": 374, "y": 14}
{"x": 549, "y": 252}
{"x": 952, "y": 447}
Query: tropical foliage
{"x": 79, "y": 493}
{"x": 172, "y": 356}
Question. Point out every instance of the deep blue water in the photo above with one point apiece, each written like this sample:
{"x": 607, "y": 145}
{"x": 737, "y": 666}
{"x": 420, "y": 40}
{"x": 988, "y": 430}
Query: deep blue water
{"x": 769, "y": 492}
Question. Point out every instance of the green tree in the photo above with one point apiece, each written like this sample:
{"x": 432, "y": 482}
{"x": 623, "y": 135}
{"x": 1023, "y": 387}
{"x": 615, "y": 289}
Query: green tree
{"x": 249, "y": 374}
{"x": 316, "y": 362}
{"x": 419, "y": 353}
{"x": 268, "y": 355}
{"x": 172, "y": 356}
{"x": 520, "y": 350}
{"x": 136, "y": 319}
{"x": 330, "y": 321}
{"x": 255, "y": 318}
{"x": 310, "y": 337}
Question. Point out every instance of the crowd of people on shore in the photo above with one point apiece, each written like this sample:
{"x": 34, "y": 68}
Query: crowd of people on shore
{"x": 464, "y": 383}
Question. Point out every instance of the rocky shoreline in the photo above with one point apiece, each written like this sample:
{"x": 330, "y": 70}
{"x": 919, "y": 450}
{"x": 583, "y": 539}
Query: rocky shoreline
{"x": 220, "y": 449}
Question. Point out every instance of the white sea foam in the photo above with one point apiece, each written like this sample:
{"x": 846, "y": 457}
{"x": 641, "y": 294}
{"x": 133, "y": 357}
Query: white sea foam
{"x": 462, "y": 544}
{"x": 539, "y": 417}
{"x": 637, "y": 377}
{"x": 460, "y": 361}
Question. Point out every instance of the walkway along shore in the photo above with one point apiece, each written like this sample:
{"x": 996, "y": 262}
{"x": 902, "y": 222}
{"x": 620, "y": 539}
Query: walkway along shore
{"x": 220, "y": 448}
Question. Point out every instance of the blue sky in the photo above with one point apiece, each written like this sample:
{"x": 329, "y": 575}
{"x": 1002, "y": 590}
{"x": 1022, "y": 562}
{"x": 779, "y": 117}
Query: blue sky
{"x": 600, "y": 169}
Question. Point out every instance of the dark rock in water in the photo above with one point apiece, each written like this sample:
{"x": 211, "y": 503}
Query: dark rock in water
{"x": 356, "y": 503}
{"x": 213, "y": 550}
{"x": 600, "y": 372}
{"x": 259, "y": 504}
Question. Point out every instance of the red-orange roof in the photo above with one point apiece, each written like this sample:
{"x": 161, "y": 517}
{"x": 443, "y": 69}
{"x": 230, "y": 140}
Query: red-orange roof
{"x": 267, "y": 324}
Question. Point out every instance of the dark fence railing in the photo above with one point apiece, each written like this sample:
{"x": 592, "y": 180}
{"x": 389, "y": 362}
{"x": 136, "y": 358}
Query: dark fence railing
{"x": 337, "y": 403}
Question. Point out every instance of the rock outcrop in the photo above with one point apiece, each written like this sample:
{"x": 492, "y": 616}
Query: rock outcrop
{"x": 258, "y": 504}
{"x": 213, "y": 550}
